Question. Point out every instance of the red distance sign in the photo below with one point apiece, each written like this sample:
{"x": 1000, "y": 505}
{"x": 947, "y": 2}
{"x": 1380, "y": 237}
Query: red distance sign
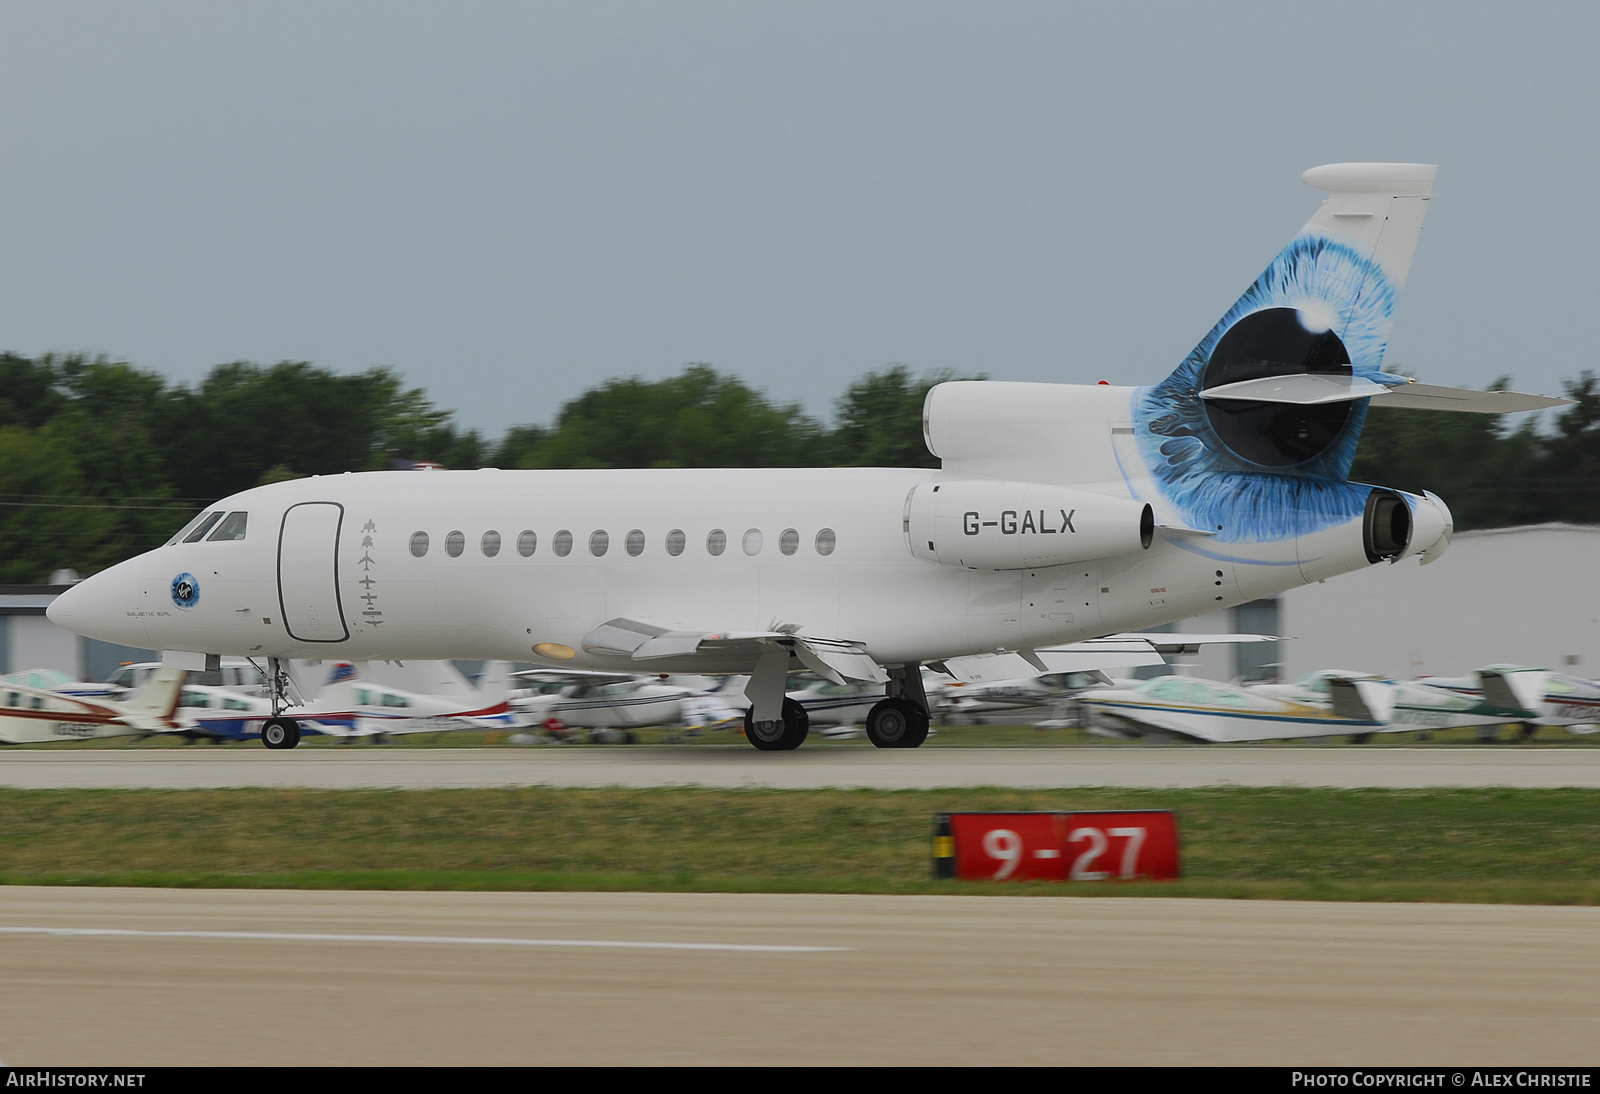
{"x": 1057, "y": 846}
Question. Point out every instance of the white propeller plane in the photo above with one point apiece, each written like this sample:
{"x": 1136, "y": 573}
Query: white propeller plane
{"x": 1545, "y": 698}
{"x": 1061, "y": 513}
{"x": 31, "y": 715}
{"x": 1319, "y": 704}
{"x": 593, "y": 700}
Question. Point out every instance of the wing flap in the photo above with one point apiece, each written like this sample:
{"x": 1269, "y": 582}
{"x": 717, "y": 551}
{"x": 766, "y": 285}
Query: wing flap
{"x": 836, "y": 659}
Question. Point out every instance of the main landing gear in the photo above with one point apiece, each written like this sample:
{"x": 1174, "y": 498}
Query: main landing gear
{"x": 278, "y": 732}
{"x": 901, "y": 720}
{"x": 779, "y": 736}
{"x": 897, "y": 723}
{"x": 776, "y": 723}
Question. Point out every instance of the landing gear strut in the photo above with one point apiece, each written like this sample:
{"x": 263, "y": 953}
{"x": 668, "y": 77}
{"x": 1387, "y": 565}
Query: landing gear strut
{"x": 279, "y": 732}
{"x": 901, "y": 720}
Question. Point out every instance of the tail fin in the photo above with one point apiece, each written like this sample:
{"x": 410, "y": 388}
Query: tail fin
{"x": 1317, "y": 320}
{"x": 1322, "y": 309}
{"x": 339, "y": 693}
{"x": 494, "y": 685}
{"x": 158, "y": 697}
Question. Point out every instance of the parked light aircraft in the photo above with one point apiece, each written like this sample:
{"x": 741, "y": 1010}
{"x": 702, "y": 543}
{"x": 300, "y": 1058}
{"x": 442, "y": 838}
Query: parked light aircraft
{"x": 35, "y": 715}
{"x": 1053, "y": 692}
{"x": 212, "y": 713}
{"x": 1547, "y": 698}
{"x": 1060, "y": 513}
{"x": 62, "y": 684}
{"x": 350, "y": 705}
{"x": 234, "y": 673}
{"x": 1319, "y": 704}
{"x": 594, "y": 700}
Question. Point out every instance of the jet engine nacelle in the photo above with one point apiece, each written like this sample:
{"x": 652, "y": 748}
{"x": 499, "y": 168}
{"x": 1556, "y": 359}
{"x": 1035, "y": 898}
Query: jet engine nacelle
{"x": 987, "y": 524}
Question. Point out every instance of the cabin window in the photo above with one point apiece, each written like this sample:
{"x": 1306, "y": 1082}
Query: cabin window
{"x": 636, "y": 543}
{"x": 826, "y": 541}
{"x": 454, "y": 544}
{"x": 203, "y": 527}
{"x": 419, "y": 543}
{"x": 716, "y": 541}
{"x": 752, "y": 541}
{"x": 562, "y": 544}
{"x": 598, "y": 542}
{"x": 676, "y": 541}
{"x": 232, "y": 528}
{"x": 490, "y": 544}
{"x": 527, "y": 543}
{"x": 789, "y": 541}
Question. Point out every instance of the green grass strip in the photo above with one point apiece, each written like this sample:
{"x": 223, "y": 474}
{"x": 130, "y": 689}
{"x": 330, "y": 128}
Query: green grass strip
{"x": 1453, "y": 845}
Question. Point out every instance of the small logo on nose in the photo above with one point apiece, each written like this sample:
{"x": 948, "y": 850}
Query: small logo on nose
{"x": 185, "y": 591}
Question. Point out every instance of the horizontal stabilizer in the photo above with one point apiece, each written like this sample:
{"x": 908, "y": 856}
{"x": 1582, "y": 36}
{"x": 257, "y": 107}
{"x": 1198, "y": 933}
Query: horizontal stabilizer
{"x": 1312, "y": 389}
{"x": 1432, "y": 397}
{"x": 1303, "y": 388}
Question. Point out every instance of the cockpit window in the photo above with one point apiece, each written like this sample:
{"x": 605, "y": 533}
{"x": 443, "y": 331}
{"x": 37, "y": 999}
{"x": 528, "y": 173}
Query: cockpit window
{"x": 232, "y": 528}
{"x": 187, "y": 528}
{"x": 203, "y": 527}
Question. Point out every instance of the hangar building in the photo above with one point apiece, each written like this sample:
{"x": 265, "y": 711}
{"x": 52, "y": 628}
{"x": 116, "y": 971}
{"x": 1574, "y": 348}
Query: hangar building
{"x": 1525, "y": 596}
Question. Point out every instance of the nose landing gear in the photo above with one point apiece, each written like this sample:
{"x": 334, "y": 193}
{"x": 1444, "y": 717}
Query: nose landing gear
{"x": 279, "y": 732}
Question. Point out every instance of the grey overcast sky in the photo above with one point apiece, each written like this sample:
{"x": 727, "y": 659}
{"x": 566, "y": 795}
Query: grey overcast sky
{"x": 510, "y": 202}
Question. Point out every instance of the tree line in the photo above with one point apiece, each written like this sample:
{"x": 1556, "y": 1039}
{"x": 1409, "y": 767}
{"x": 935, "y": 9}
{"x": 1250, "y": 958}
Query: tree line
{"x": 100, "y": 460}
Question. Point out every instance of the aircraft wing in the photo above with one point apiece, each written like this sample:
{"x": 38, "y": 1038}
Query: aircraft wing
{"x": 1165, "y": 721}
{"x": 575, "y": 676}
{"x": 834, "y": 659}
{"x": 1115, "y": 651}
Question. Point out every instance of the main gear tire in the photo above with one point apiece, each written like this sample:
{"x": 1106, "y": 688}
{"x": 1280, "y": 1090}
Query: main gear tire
{"x": 897, "y": 723}
{"x": 785, "y": 736}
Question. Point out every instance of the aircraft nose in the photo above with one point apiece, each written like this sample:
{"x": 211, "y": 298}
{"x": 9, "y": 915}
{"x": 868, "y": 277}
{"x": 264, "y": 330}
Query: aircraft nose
{"x": 104, "y": 606}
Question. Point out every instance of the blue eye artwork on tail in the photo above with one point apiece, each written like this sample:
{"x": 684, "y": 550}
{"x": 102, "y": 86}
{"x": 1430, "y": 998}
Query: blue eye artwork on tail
{"x": 1260, "y": 472}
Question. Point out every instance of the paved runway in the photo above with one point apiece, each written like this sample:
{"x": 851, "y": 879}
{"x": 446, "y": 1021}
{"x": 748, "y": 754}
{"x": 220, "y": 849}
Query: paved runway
{"x": 135, "y": 977}
{"x": 738, "y": 767}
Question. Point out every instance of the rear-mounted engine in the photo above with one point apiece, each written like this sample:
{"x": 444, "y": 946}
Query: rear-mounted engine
{"x": 996, "y": 525}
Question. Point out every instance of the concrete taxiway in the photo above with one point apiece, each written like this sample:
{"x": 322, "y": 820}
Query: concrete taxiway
{"x": 148, "y": 977}
{"x": 740, "y": 767}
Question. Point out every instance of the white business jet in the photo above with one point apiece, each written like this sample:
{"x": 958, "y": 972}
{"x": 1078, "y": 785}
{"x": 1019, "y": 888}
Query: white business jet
{"x": 1061, "y": 513}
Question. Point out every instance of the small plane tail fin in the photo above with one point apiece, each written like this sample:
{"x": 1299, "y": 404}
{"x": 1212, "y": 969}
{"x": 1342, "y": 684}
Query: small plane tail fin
{"x": 1515, "y": 690}
{"x": 158, "y": 696}
{"x": 1362, "y": 700}
{"x": 339, "y": 693}
{"x": 494, "y": 684}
